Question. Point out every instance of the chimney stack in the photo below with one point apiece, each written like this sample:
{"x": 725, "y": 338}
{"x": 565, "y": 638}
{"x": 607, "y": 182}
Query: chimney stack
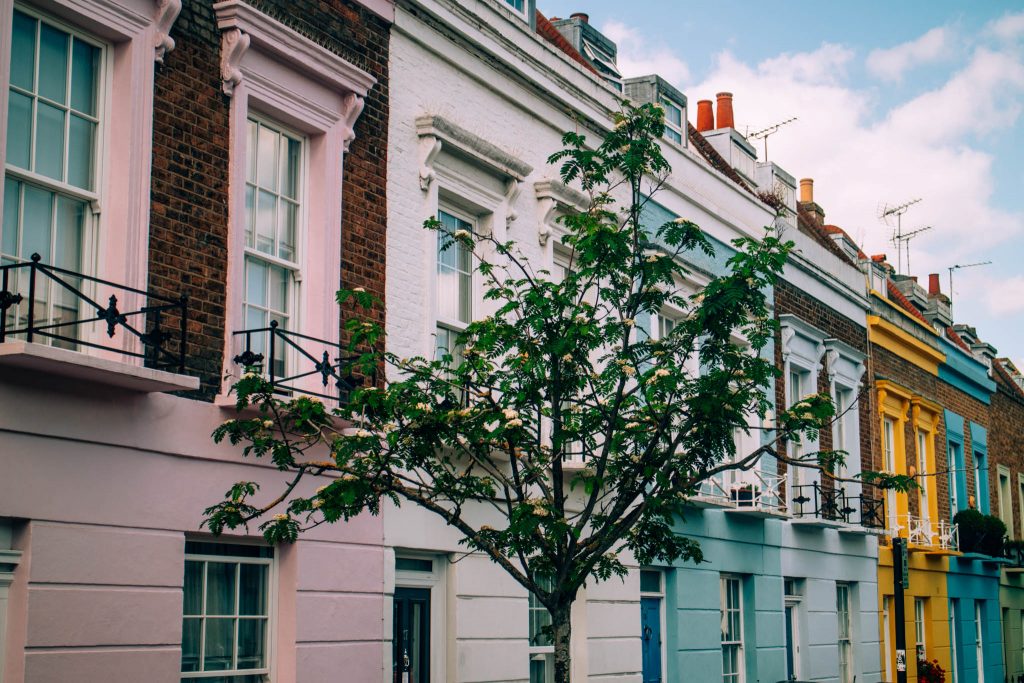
{"x": 725, "y": 118}
{"x": 582, "y": 16}
{"x": 806, "y": 190}
{"x": 933, "y": 285}
{"x": 705, "y": 116}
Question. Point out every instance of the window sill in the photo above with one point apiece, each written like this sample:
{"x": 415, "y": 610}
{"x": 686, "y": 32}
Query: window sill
{"x": 88, "y": 369}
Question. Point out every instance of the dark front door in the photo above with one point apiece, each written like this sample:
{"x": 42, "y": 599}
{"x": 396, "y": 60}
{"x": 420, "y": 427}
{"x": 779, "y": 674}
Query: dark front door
{"x": 411, "y": 639}
{"x": 650, "y": 632}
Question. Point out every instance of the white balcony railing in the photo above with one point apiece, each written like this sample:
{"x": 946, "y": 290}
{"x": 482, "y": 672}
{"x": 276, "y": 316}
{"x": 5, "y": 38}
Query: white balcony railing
{"x": 756, "y": 491}
{"x": 926, "y": 533}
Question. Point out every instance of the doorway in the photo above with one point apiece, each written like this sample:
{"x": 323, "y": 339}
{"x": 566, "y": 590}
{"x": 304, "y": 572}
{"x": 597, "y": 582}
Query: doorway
{"x": 411, "y": 637}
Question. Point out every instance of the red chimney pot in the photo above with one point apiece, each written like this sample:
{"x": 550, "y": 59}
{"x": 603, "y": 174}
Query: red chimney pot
{"x": 725, "y": 117}
{"x": 705, "y": 116}
{"x": 582, "y": 16}
{"x": 933, "y": 284}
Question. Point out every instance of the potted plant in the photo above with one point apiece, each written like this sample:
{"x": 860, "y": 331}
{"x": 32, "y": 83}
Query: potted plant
{"x": 744, "y": 494}
{"x": 930, "y": 672}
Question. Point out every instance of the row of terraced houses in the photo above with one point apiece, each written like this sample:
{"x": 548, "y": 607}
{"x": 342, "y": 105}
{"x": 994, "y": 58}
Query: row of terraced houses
{"x": 205, "y": 177}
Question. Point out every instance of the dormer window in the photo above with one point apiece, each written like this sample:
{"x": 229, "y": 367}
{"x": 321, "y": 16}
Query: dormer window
{"x": 655, "y": 90}
{"x": 673, "y": 120}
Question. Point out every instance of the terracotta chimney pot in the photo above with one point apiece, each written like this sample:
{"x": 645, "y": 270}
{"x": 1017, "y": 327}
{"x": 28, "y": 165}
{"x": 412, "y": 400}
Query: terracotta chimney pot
{"x": 705, "y": 116}
{"x": 582, "y": 16}
{"x": 725, "y": 118}
{"x": 933, "y": 285}
{"x": 806, "y": 190}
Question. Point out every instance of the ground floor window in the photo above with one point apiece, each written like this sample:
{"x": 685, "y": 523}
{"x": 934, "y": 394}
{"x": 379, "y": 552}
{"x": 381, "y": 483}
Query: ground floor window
{"x": 542, "y": 650}
{"x": 846, "y": 673}
{"x": 731, "y": 600}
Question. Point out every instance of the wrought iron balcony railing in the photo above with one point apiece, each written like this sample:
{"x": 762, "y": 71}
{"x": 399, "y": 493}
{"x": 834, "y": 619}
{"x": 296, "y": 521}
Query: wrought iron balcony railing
{"x": 836, "y": 505}
{"x": 46, "y": 304}
{"x": 297, "y": 363}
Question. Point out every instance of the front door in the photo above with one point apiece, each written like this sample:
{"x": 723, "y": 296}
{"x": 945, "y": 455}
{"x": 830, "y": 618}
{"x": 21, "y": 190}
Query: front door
{"x": 650, "y": 630}
{"x": 411, "y": 637}
{"x": 792, "y": 644}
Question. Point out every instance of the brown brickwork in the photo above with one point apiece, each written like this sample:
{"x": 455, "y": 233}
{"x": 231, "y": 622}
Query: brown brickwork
{"x": 1006, "y": 439}
{"x": 188, "y": 224}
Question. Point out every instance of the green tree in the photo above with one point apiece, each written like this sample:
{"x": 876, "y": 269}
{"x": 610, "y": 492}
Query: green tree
{"x": 559, "y": 371}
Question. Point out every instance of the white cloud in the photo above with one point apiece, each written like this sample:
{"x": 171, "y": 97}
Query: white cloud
{"x": 638, "y": 57}
{"x": 1008, "y": 28}
{"x": 890, "y": 64}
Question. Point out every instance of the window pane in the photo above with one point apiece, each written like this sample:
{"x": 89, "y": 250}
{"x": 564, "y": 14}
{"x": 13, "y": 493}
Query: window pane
{"x": 53, "y": 63}
{"x": 19, "y": 129}
{"x": 220, "y": 643}
{"x": 23, "y": 51}
{"x": 220, "y": 588}
{"x": 650, "y": 581}
{"x": 84, "y": 62}
{"x": 250, "y": 214}
{"x": 673, "y": 135}
{"x": 266, "y": 163}
{"x": 255, "y": 282}
{"x": 288, "y": 213}
{"x": 193, "y": 588}
{"x": 191, "y": 630}
{"x": 251, "y": 643}
{"x": 251, "y": 152}
{"x": 12, "y": 205}
{"x": 70, "y": 221}
{"x": 49, "y": 141}
{"x": 265, "y": 221}
{"x": 80, "y": 137}
{"x": 279, "y": 278}
{"x": 290, "y": 172}
{"x": 252, "y": 592}
{"x": 37, "y": 216}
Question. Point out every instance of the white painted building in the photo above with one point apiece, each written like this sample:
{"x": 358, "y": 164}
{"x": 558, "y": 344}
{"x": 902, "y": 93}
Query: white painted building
{"x": 480, "y": 99}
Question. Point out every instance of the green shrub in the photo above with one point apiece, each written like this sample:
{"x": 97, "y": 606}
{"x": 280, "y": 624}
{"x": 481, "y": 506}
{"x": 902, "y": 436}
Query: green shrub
{"x": 980, "y": 533}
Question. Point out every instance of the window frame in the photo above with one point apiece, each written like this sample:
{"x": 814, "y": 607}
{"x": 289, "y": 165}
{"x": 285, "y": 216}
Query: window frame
{"x": 1005, "y": 498}
{"x": 269, "y": 671}
{"x": 847, "y": 663}
{"x": 725, "y": 580}
{"x": 450, "y": 324}
{"x": 979, "y": 636}
{"x": 544, "y": 653}
{"x": 920, "y": 628}
{"x": 676, "y": 130}
{"x": 661, "y": 594}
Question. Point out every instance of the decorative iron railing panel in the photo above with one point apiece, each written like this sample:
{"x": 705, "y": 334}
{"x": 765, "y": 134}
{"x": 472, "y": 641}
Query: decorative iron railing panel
{"x": 836, "y": 505}
{"x": 43, "y": 303}
{"x": 296, "y": 363}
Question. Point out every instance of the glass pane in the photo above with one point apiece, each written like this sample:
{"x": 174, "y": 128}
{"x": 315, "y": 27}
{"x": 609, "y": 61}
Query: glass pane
{"x": 256, "y": 282}
{"x": 256, "y": 319}
{"x": 37, "y": 216}
{"x": 70, "y": 220}
{"x": 23, "y": 51}
{"x": 266, "y": 164}
{"x": 193, "y": 588}
{"x": 252, "y": 591}
{"x": 191, "y": 631}
{"x": 650, "y": 581}
{"x": 12, "y": 204}
{"x": 220, "y": 588}
{"x": 220, "y": 642}
{"x": 251, "y": 643}
{"x": 279, "y": 278}
{"x": 250, "y": 210}
{"x": 290, "y": 186}
{"x": 465, "y": 302}
{"x": 19, "y": 130}
{"x": 250, "y": 172}
{"x": 80, "y": 137}
{"x": 265, "y": 222}
{"x": 49, "y": 141}
{"x": 84, "y": 63}
{"x": 288, "y": 213}
{"x": 53, "y": 63}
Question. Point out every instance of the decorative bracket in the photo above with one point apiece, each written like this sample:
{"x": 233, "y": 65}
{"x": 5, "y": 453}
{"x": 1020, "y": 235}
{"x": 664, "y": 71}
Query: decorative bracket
{"x": 787, "y": 336}
{"x": 166, "y": 12}
{"x": 430, "y": 147}
{"x": 832, "y": 361}
{"x": 233, "y": 44}
{"x": 512, "y": 189}
{"x": 351, "y": 109}
{"x": 554, "y": 196}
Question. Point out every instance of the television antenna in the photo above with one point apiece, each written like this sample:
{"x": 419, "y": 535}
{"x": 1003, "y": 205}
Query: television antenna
{"x": 905, "y": 240}
{"x": 765, "y": 132}
{"x": 959, "y": 267}
{"x": 894, "y": 214}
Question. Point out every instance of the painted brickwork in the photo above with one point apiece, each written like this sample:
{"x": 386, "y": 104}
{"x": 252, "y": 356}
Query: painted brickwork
{"x": 188, "y": 233}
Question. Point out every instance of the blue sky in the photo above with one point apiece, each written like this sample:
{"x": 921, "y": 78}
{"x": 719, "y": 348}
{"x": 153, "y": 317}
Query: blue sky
{"x": 895, "y": 100}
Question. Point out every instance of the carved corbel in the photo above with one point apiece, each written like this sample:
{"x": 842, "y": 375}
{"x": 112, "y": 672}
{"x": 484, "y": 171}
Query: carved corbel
{"x": 233, "y": 44}
{"x": 430, "y": 147}
{"x": 831, "y": 360}
{"x": 351, "y": 109}
{"x": 882, "y": 393}
{"x": 512, "y": 189}
{"x": 166, "y": 13}
{"x": 787, "y": 336}
{"x": 546, "y": 206}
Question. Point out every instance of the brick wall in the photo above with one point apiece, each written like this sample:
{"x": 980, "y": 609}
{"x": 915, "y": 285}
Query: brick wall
{"x": 791, "y": 300}
{"x": 1006, "y": 442}
{"x": 188, "y": 224}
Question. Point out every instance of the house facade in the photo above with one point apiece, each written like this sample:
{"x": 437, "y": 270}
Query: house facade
{"x": 176, "y": 173}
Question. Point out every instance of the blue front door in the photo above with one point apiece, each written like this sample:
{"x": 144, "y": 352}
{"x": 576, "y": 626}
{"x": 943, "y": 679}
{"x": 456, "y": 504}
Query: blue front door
{"x": 650, "y": 631}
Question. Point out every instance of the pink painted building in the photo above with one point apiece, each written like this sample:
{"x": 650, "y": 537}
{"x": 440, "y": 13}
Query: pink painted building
{"x": 186, "y": 184}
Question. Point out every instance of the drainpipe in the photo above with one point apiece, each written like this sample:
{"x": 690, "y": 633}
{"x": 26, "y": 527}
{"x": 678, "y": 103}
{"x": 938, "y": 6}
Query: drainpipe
{"x": 899, "y": 570}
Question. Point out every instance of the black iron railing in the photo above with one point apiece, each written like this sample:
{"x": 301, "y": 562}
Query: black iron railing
{"x": 834, "y": 504}
{"x": 43, "y": 303}
{"x": 1014, "y": 552}
{"x": 287, "y": 358}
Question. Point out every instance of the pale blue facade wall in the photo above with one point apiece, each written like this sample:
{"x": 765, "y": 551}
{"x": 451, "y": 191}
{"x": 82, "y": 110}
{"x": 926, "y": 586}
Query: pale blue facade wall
{"x": 970, "y": 580}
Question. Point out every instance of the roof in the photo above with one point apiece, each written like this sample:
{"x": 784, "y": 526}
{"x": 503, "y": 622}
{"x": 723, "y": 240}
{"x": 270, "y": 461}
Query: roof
{"x": 807, "y": 224}
{"x": 548, "y": 32}
{"x": 904, "y": 303}
{"x": 957, "y": 339}
{"x": 1003, "y": 377}
{"x": 716, "y": 160}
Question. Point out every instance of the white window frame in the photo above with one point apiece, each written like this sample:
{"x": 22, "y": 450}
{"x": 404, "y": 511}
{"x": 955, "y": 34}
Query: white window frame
{"x": 545, "y": 653}
{"x": 954, "y": 639}
{"x": 1020, "y": 495}
{"x": 475, "y": 281}
{"x": 792, "y": 599}
{"x": 803, "y": 347}
{"x": 847, "y": 664}
{"x": 725, "y": 581}
{"x": 436, "y": 580}
{"x": 920, "y": 630}
{"x": 679, "y": 130}
{"x": 662, "y": 615}
{"x": 889, "y": 465}
{"x": 979, "y": 638}
{"x": 1005, "y": 499}
{"x": 846, "y": 367}
{"x": 270, "y": 640}
{"x": 887, "y": 638}
{"x": 271, "y": 71}
{"x": 134, "y": 33}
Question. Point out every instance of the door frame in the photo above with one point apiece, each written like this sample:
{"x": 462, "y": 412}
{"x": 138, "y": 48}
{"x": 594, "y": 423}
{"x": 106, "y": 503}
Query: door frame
{"x": 424, "y": 594}
{"x": 435, "y": 581}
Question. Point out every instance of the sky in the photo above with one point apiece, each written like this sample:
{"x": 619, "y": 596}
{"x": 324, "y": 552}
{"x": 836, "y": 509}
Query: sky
{"x": 894, "y": 101}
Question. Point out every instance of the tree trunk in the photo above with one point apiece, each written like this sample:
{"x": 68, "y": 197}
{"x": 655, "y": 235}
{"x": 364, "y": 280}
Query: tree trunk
{"x": 561, "y": 634}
